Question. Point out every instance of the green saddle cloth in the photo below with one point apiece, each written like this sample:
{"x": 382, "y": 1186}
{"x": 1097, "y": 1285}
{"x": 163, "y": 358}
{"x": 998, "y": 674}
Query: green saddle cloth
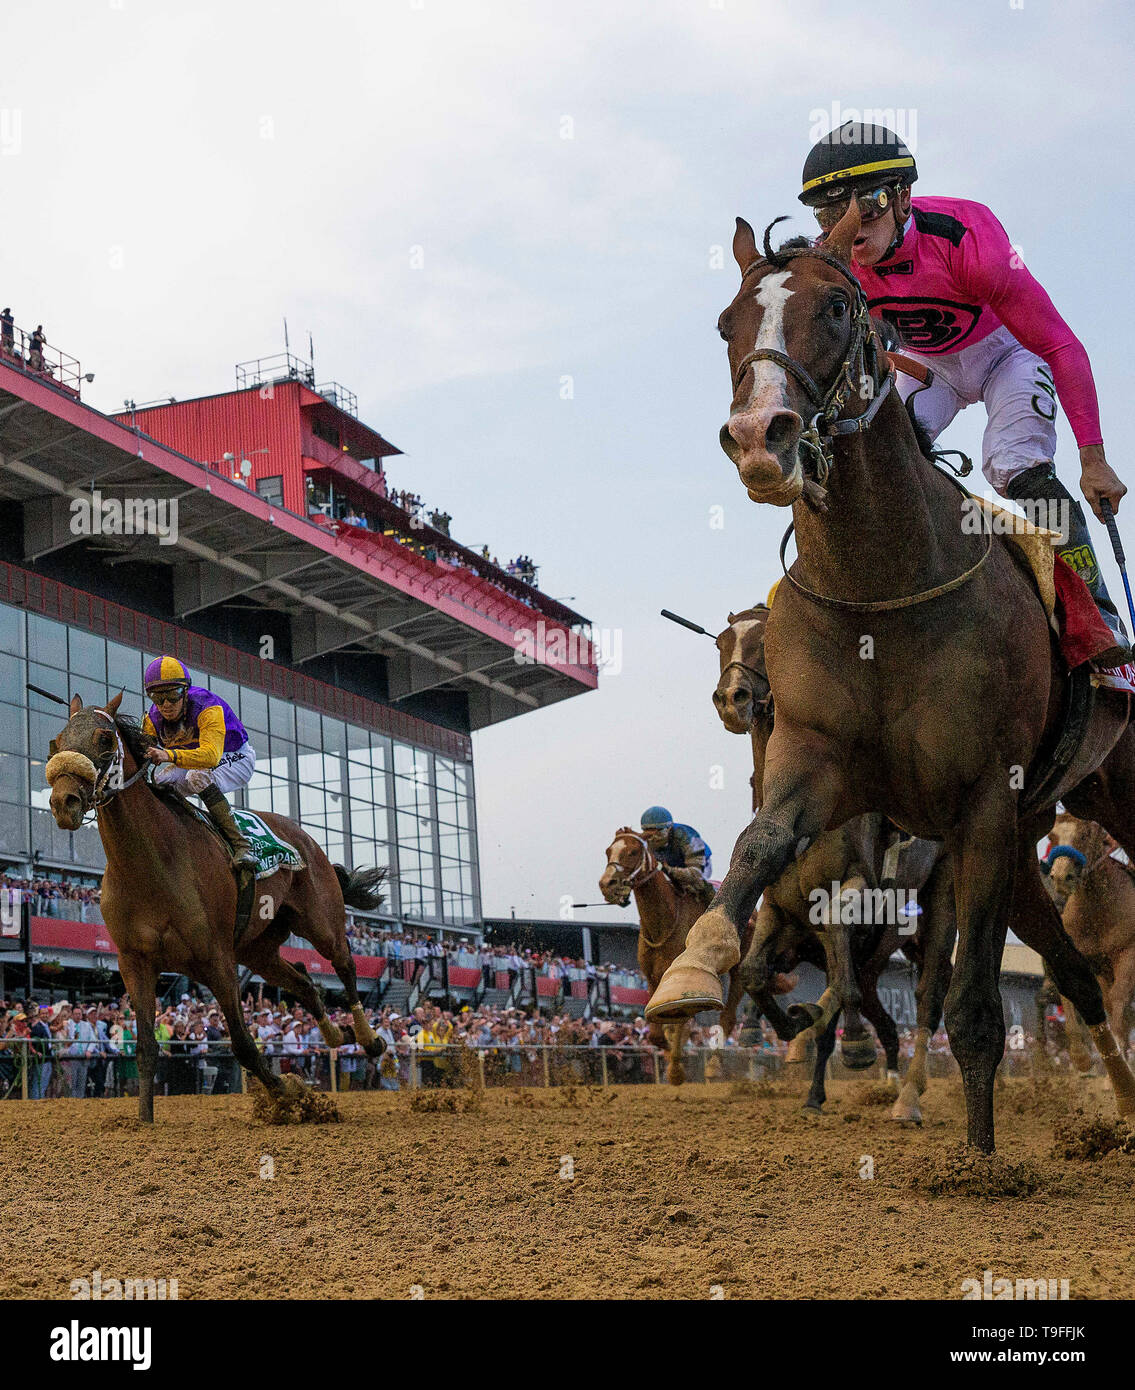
{"x": 271, "y": 852}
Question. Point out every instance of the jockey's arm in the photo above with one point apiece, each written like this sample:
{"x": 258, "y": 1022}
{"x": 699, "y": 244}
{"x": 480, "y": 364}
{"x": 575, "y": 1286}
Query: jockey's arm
{"x": 210, "y": 741}
{"x": 993, "y": 271}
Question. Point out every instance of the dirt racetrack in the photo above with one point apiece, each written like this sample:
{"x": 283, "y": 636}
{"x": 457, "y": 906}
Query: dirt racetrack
{"x": 663, "y": 1193}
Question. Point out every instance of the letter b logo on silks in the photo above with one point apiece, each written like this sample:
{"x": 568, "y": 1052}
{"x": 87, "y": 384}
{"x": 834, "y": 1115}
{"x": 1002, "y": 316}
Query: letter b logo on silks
{"x": 928, "y": 325}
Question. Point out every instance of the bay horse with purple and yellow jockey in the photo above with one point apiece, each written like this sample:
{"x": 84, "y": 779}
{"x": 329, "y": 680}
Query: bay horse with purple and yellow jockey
{"x": 169, "y": 895}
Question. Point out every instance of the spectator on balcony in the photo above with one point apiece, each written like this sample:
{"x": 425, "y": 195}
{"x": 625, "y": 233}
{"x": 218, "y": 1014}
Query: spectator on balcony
{"x": 353, "y": 518}
{"x": 7, "y": 333}
{"x": 36, "y": 345}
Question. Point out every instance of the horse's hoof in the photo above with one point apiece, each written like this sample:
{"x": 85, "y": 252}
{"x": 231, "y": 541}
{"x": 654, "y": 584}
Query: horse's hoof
{"x": 683, "y": 993}
{"x": 804, "y": 1014}
{"x": 815, "y": 1107}
{"x": 906, "y": 1110}
{"x": 798, "y": 1048}
{"x": 858, "y": 1053}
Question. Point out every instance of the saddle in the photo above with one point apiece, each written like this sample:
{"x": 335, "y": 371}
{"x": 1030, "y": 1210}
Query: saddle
{"x": 1089, "y": 725}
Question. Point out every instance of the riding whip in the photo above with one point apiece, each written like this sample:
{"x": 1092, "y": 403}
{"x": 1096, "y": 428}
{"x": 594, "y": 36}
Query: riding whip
{"x": 1117, "y": 548}
{"x": 685, "y": 622}
{"x": 47, "y": 695}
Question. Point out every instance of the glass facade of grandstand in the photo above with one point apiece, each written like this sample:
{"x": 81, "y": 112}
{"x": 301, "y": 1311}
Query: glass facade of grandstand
{"x": 365, "y": 797}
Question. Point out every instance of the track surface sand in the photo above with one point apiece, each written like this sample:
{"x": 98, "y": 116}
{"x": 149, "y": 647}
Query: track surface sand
{"x": 669, "y": 1194}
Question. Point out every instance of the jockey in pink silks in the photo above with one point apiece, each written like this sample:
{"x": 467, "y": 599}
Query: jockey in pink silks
{"x": 943, "y": 275}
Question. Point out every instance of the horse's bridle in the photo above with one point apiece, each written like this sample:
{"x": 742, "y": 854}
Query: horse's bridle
{"x": 827, "y": 423}
{"x": 631, "y": 879}
{"x": 102, "y": 790}
{"x": 762, "y": 676}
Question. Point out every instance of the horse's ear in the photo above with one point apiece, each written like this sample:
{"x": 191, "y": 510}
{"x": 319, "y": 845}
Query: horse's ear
{"x": 112, "y": 705}
{"x": 744, "y": 245}
{"x": 76, "y": 705}
{"x": 53, "y": 747}
{"x": 841, "y": 238}
{"x": 731, "y": 618}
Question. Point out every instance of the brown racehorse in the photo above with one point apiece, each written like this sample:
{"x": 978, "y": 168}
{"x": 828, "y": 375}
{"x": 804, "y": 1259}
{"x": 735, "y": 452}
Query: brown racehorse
{"x": 913, "y": 667}
{"x": 169, "y": 894}
{"x": 854, "y": 857}
{"x": 665, "y": 914}
{"x": 1097, "y": 902}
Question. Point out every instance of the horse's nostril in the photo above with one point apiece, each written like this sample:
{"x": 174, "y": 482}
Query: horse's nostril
{"x": 782, "y": 431}
{"x": 740, "y": 697}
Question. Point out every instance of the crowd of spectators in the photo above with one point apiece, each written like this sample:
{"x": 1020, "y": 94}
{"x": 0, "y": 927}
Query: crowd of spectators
{"x": 356, "y": 515}
{"x": 90, "y": 1050}
{"x": 46, "y": 895}
{"x": 492, "y": 959}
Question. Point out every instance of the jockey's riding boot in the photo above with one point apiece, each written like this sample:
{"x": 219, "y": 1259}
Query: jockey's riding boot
{"x": 1040, "y": 484}
{"x": 221, "y": 814}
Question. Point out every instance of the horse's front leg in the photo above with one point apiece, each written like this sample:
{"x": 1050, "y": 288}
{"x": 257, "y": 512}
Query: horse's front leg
{"x": 802, "y": 786}
{"x": 983, "y": 851}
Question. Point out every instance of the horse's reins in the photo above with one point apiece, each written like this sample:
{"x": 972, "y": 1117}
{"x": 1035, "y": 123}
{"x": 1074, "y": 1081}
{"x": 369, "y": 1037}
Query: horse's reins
{"x": 826, "y": 423}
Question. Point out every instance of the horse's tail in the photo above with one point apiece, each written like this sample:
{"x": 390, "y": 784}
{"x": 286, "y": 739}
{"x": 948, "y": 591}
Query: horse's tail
{"x": 360, "y": 886}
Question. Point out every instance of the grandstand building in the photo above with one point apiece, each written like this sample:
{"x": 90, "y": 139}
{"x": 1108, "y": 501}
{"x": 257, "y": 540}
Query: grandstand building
{"x": 251, "y": 534}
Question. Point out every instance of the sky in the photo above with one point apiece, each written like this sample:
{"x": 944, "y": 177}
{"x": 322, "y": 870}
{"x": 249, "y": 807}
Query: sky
{"x": 506, "y": 227}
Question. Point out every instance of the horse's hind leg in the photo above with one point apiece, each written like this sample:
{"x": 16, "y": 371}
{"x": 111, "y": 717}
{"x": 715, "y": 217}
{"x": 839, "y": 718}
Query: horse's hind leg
{"x": 938, "y": 932}
{"x": 344, "y": 967}
{"x": 225, "y": 989}
{"x": 141, "y": 981}
{"x": 266, "y": 961}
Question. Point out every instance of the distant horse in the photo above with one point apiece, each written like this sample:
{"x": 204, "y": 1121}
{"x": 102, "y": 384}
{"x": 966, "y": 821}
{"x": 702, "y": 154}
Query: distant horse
{"x": 1096, "y": 897}
{"x": 169, "y": 895}
{"x": 854, "y": 857}
{"x": 665, "y": 915}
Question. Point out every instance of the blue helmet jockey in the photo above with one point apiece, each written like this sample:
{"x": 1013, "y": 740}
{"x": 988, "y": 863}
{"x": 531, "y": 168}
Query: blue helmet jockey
{"x": 678, "y": 846}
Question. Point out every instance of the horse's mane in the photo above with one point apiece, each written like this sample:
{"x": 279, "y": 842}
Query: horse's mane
{"x": 138, "y": 742}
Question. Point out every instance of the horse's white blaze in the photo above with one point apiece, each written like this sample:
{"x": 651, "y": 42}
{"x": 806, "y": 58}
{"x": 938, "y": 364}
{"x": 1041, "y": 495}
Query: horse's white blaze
{"x": 770, "y": 381}
{"x": 742, "y": 629}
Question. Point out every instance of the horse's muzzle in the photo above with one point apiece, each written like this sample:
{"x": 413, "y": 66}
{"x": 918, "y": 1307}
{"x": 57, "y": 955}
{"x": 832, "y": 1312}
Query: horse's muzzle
{"x": 765, "y": 447}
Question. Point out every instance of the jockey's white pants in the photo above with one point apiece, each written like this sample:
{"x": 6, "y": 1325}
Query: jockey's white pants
{"x": 231, "y": 773}
{"x": 1019, "y": 396}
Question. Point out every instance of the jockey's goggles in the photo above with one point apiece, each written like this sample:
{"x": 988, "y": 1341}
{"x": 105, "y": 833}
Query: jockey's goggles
{"x": 166, "y": 694}
{"x": 873, "y": 202}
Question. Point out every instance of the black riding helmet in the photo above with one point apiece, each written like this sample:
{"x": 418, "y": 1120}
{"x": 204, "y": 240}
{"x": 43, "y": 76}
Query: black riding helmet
{"x": 855, "y": 156}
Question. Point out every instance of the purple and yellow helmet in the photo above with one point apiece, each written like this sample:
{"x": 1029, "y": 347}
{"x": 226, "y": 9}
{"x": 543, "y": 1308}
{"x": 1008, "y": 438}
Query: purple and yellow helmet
{"x": 165, "y": 672}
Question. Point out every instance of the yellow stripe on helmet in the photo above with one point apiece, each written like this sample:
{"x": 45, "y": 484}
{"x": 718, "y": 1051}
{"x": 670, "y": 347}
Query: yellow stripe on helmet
{"x": 172, "y": 669}
{"x": 906, "y": 162}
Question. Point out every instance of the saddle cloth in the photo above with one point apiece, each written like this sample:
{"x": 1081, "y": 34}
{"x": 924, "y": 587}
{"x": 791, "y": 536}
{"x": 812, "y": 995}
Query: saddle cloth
{"x": 271, "y": 852}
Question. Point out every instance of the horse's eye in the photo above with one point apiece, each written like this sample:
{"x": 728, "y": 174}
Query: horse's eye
{"x": 838, "y": 307}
